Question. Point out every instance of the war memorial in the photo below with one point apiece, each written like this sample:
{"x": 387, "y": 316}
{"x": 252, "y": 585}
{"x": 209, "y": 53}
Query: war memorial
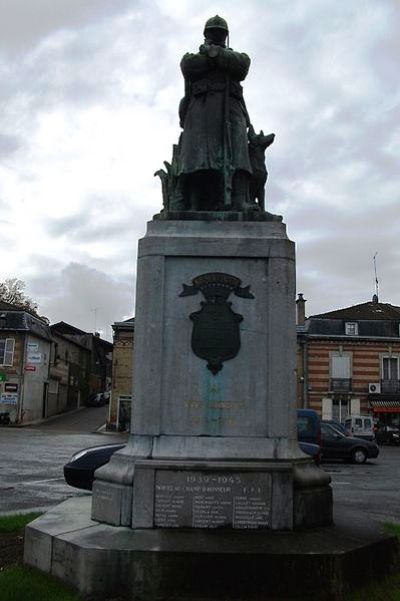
{"x": 212, "y": 497}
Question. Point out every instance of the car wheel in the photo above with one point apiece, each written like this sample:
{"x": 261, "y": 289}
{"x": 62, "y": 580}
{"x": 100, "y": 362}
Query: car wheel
{"x": 359, "y": 456}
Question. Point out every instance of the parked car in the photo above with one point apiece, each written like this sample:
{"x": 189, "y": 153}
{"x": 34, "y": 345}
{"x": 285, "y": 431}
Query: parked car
{"x": 313, "y": 450}
{"x": 336, "y": 445}
{"x": 308, "y": 426}
{"x": 79, "y": 471}
{"x": 95, "y": 399}
{"x": 361, "y": 426}
{"x": 336, "y": 425}
{"x": 387, "y": 435}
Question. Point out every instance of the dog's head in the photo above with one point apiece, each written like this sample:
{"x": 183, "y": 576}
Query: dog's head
{"x": 260, "y": 139}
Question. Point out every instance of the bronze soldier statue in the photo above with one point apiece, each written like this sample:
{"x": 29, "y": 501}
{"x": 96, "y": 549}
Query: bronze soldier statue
{"x": 214, "y": 165}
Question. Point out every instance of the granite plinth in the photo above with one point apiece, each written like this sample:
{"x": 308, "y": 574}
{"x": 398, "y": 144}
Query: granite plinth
{"x": 208, "y": 565}
{"x": 237, "y": 420}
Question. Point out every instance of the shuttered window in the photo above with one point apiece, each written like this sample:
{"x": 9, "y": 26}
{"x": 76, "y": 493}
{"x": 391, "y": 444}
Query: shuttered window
{"x": 390, "y": 368}
{"x": 7, "y": 346}
{"x": 341, "y": 366}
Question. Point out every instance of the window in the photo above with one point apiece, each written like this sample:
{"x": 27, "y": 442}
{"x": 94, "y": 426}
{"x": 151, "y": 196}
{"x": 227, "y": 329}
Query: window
{"x": 340, "y": 367}
{"x": 340, "y": 410}
{"x": 351, "y": 328}
{"x": 390, "y": 375}
{"x": 390, "y": 368}
{"x": 7, "y": 351}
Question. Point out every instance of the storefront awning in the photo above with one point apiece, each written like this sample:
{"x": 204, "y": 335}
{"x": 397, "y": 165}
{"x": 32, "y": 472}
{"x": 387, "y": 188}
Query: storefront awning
{"x": 385, "y": 406}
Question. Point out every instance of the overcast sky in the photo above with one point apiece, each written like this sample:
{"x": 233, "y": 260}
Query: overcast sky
{"x": 89, "y": 96}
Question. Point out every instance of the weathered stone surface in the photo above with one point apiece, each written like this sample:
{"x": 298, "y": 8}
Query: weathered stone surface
{"x": 150, "y": 565}
{"x": 249, "y": 396}
{"x": 183, "y": 411}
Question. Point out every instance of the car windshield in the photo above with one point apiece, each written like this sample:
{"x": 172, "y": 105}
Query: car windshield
{"x": 330, "y": 430}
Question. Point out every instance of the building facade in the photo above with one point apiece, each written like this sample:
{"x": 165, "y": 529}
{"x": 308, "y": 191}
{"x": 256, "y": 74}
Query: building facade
{"x": 122, "y": 368}
{"x": 69, "y": 377}
{"x": 89, "y": 359}
{"x": 349, "y": 361}
{"x": 25, "y": 354}
{"x": 46, "y": 370}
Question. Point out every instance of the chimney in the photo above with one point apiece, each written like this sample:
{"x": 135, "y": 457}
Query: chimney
{"x": 301, "y": 310}
{"x": 97, "y": 334}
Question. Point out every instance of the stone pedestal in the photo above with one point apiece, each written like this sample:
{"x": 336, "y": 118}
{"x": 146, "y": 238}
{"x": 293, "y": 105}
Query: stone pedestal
{"x": 213, "y": 441}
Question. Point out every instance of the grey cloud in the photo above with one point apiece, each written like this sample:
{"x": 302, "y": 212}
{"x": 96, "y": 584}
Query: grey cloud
{"x": 9, "y": 145}
{"x": 100, "y": 218}
{"x": 26, "y": 23}
{"x": 73, "y": 295}
{"x": 323, "y": 77}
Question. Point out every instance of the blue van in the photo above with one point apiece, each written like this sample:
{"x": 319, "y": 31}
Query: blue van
{"x": 308, "y": 426}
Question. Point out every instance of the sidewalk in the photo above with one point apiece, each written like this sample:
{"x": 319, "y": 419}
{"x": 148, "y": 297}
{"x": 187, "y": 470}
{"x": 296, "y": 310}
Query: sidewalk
{"x": 84, "y": 420}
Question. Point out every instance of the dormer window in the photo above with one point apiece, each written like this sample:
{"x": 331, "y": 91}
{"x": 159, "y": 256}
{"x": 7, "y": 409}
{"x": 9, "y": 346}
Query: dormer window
{"x": 351, "y": 328}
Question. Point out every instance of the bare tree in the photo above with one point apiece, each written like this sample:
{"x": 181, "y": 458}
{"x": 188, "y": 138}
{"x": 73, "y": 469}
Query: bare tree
{"x": 12, "y": 291}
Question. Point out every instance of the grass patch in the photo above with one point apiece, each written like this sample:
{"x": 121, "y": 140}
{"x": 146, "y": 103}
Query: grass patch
{"x": 385, "y": 590}
{"x": 12, "y": 523}
{"x": 26, "y": 584}
{"x": 392, "y": 528}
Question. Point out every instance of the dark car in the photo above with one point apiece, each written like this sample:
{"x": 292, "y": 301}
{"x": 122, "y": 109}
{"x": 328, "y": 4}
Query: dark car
{"x": 387, "y": 435}
{"x": 95, "y": 399}
{"x": 336, "y": 445}
{"x": 313, "y": 450}
{"x": 336, "y": 425}
{"x": 79, "y": 471}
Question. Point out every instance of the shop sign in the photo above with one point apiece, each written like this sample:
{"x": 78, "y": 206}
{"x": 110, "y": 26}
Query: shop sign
{"x": 11, "y": 387}
{"x": 9, "y": 398}
{"x": 30, "y": 367}
{"x": 34, "y": 357}
{"x": 3, "y": 377}
{"x": 32, "y": 347}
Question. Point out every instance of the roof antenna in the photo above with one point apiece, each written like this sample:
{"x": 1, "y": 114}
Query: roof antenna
{"x": 375, "y": 298}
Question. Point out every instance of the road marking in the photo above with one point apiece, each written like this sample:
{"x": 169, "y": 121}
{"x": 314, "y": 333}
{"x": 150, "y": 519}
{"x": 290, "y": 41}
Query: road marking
{"x": 27, "y": 482}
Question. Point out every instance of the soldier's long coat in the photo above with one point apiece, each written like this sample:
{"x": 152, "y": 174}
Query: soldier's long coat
{"x": 203, "y": 112}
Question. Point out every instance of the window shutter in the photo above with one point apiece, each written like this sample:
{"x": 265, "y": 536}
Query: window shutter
{"x": 341, "y": 367}
{"x": 9, "y": 352}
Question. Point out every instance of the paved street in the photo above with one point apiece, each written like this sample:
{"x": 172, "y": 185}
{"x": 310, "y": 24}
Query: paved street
{"x": 371, "y": 489}
{"x": 32, "y": 458}
{"x": 31, "y": 461}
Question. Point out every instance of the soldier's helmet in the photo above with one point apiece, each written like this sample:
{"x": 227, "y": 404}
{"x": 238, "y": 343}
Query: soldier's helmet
{"x": 216, "y": 22}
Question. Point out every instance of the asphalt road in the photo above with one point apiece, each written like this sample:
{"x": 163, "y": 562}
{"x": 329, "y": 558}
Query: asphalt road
{"x": 32, "y": 458}
{"x": 372, "y": 490}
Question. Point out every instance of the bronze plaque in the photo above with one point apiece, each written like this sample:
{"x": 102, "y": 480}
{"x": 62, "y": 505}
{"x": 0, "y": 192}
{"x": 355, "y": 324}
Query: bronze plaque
{"x": 216, "y": 334}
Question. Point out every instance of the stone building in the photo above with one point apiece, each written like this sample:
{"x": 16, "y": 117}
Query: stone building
{"x": 69, "y": 378}
{"x": 122, "y": 367}
{"x": 96, "y": 365}
{"x": 25, "y": 350}
{"x": 349, "y": 361}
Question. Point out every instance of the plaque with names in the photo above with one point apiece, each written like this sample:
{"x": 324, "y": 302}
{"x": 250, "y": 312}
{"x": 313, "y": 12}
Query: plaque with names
{"x": 194, "y": 499}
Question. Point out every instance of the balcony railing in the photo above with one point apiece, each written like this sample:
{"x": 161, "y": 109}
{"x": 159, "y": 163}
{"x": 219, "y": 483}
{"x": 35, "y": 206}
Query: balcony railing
{"x": 340, "y": 384}
{"x": 390, "y": 386}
